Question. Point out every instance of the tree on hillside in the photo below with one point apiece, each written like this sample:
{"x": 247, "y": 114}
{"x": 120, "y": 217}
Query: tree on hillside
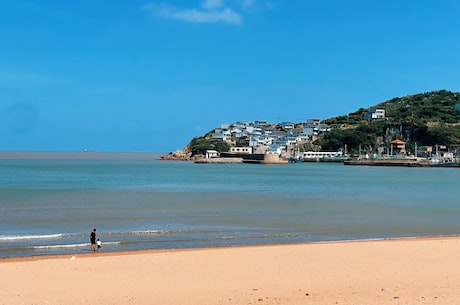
{"x": 337, "y": 139}
{"x": 199, "y": 146}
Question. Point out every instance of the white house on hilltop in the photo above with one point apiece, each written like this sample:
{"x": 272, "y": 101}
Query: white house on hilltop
{"x": 374, "y": 114}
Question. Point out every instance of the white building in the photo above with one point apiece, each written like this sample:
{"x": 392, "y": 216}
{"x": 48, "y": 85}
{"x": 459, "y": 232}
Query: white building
{"x": 212, "y": 154}
{"x": 322, "y": 154}
{"x": 241, "y": 150}
{"x": 374, "y": 114}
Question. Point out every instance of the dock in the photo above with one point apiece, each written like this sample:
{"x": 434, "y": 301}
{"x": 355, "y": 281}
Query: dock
{"x": 219, "y": 160}
{"x": 386, "y": 162}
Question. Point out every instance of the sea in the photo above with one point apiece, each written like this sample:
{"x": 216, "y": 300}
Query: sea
{"x": 50, "y": 202}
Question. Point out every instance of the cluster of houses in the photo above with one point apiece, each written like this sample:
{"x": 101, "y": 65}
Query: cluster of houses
{"x": 262, "y": 137}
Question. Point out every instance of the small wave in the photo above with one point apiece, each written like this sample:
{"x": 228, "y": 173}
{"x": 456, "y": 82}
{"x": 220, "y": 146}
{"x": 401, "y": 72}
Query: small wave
{"x": 146, "y": 232}
{"x": 24, "y": 237}
{"x": 140, "y": 232}
{"x": 154, "y": 232}
{"x": 111, "y": 243}
{"x": 60, "y": 246}
{"x": 72, "y": 245}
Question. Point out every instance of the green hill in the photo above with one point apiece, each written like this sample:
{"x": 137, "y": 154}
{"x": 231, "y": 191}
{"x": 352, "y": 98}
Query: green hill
{"x": 424, "y": 119}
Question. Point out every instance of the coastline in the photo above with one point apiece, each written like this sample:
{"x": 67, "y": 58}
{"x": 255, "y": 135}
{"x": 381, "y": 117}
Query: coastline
{"x": 396, "y": 271}
{"x": 105, "y": 253}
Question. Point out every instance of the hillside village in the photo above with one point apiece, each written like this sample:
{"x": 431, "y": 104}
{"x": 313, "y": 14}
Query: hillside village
{"x": 285, "y": 138}
{"x": 261, "y": 137}
{"x": 381, "y": 129}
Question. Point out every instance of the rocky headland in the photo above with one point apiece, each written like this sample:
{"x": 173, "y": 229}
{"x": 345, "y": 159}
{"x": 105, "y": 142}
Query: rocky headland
{"x": 182, "y": 155}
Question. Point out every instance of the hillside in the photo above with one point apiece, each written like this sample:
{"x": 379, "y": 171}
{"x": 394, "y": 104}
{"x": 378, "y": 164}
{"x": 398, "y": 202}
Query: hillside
{"x": 424, "y": 119}
{"x": 424, "y": 108}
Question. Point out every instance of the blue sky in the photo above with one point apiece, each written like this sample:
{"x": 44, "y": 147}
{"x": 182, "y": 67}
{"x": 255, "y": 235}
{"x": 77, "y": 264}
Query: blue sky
{"x": 151, "y": 75}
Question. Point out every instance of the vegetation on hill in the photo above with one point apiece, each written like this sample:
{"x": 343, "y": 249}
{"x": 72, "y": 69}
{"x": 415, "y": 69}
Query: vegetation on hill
{"x": 199, "y": 146}
{"x": 424, "y": 119}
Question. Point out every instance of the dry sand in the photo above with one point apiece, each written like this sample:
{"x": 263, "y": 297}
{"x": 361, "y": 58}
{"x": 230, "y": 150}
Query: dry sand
{"x": 418, "y": 271}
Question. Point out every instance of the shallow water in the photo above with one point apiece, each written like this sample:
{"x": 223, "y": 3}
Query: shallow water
{"x": 49, "y": 203}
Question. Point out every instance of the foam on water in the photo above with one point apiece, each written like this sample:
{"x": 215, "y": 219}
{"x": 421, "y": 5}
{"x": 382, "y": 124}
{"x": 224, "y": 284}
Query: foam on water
{"x": 84, "y": 245}
{"x": 30, "y": 237}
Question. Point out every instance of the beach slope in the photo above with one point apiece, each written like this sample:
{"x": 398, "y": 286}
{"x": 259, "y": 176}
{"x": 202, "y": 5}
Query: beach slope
{"x": 411, "y": 271}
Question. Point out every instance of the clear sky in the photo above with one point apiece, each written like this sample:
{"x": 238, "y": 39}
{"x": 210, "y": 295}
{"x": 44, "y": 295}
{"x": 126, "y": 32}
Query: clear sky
{"x": 146, "y": 75}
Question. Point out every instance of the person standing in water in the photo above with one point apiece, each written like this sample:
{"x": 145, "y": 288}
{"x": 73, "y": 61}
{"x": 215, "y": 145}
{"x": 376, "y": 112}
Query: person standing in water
{"x": 92, "y": 239}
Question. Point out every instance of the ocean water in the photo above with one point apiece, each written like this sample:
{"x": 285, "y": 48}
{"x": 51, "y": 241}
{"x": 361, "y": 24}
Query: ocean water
{"x": 50, "y": 202}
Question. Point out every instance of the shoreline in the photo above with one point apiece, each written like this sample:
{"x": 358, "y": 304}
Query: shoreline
{"x": 171, "y": 250}
{"x": 401, "y": 271}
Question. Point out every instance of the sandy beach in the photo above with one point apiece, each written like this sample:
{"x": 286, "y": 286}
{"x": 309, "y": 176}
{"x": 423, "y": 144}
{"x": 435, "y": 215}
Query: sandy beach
{"x": 409, "y": 271}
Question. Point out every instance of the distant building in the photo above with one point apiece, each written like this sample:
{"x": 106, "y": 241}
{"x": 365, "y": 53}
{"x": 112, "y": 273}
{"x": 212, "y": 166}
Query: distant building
{"x": 260, "y": 123}
{"x": 375, "y": 114}
{"x": 398, "y": 147}
{"x": 212, "y": 154}
{"x": 241, "y": 150}
{"x": 287, "y": 125}
{"x": 221, "y": 134}
{"x": 322, "y": 154}
{"x": 313, "y": 122}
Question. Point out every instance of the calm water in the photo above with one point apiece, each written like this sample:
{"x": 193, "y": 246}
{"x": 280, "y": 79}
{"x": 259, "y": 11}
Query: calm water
{"x": 49, "y": 203}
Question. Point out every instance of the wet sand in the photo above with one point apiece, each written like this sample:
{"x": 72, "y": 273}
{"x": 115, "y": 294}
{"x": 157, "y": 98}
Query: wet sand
{"x": 408, "y": 271}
